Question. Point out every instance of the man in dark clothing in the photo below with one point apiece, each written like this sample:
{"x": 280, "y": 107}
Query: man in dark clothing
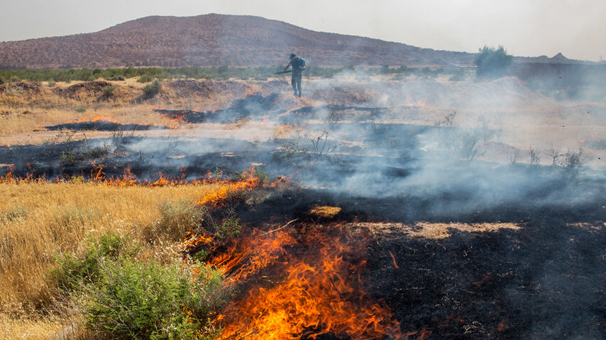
{"x": 298, "y": 65}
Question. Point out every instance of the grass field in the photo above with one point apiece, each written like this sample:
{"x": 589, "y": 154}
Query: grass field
{"x": 41, "y": 220}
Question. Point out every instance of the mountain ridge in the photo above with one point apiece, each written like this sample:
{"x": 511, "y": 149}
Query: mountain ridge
{"x": 214, "y": 40}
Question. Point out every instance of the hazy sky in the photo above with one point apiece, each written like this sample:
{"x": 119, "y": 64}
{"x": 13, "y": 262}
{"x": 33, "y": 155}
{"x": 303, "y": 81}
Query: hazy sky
{"x": 576, "y": 28}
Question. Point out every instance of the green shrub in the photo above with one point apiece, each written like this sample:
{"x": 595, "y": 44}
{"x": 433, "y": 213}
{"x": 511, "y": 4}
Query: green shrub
{"x": 261, "y": 175}
{"x": 573, "y": 161}
{"x": 73, "y": 272}
{"x": 151, "y": 90}
{"x": 96, "y": 152}
{"x": 147, "y": 300}
{"x": 146, "y": 78}
{"x": 230, "y": 227}
{"x": 68, "y": 157}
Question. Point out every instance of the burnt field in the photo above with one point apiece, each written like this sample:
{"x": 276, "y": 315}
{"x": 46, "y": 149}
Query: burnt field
{"x": 404, "y": 209}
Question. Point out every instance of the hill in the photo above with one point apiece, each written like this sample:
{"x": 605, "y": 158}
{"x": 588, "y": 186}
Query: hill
{"x": 213, "y": 40}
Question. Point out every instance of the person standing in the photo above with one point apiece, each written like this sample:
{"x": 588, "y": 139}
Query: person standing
{"x": 298, "y": 65}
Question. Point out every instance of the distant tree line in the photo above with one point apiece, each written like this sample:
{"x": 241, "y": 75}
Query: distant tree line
{"x": 149, "y": 74}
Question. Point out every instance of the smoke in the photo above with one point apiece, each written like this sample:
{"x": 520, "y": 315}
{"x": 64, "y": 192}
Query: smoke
{"x": 457, "y": 147}
{"x": 462, "y": 147}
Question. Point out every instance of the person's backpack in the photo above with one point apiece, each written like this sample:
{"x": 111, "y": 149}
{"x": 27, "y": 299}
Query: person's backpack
{"x": 300, "y": 63}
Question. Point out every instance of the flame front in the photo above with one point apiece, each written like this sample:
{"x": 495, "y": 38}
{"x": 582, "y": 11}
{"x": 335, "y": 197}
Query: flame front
{"x": 315, "y": 292}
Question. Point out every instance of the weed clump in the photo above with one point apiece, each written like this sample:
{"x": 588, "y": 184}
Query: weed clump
{"x": 73, "y": 272}
{"x": 122, "y": 297}
{"x": 147, "y": 300}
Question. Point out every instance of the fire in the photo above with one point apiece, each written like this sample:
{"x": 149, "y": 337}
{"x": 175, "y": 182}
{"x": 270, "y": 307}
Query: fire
{"x": 395, "y": 264}
{"x": 298, "y": 282}
{"x": 317, "y": 291}
{"x": 94, "y": 119}
{"x": 174, "y": 115}
{"x": 224, "y": 190}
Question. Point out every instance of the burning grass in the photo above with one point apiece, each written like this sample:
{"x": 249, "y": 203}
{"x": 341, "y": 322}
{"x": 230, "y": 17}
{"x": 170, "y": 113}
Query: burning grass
{"x": 313, "y": 280}
{"x": 317, "y": 291}
{"x": 42, "y": 220}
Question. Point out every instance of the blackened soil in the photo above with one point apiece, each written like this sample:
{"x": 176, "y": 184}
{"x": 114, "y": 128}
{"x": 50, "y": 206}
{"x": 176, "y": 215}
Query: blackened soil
{"x": 544, "y": 281}
{"x": 103, "y": 126}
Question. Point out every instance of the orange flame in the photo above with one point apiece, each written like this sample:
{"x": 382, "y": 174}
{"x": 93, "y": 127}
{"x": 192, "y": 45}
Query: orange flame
{"x": 94, "y": 120}
{"x": 395, "y": 264}
{"x": 224, "y": 190}
{"x": 253, "y": 254}
{"x": 320, "y": 293}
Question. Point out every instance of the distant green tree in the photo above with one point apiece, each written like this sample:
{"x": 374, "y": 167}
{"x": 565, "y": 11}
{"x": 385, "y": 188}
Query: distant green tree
{"x": 492, "y": 63}
{"x": 152, "y": 89}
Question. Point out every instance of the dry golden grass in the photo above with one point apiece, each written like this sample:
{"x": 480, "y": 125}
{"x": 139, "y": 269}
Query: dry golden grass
{"x": 325, "y": 211}
{"x": 444, "y": 230}
{"x": 41, "y": 220}
{"x": 284, "y": 130}
{"x": 17, "y": 127}
{"x": 31, "y": 329}
{"x": 24, "y": 114}
{"x": 429, "y": 230}
{"x": 238, "y": 124}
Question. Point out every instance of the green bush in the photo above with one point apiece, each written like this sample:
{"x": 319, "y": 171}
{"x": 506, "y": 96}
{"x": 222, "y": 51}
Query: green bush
{"x": 147, "y": 300}
{"x": 73, "y": 272}
{"x": 146, "y": 78}
{"x": 151, "y": 90}
{"x": 230, "y": 227}
{"x": 261, "y": 175}
{"x": 573, "y": 161}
